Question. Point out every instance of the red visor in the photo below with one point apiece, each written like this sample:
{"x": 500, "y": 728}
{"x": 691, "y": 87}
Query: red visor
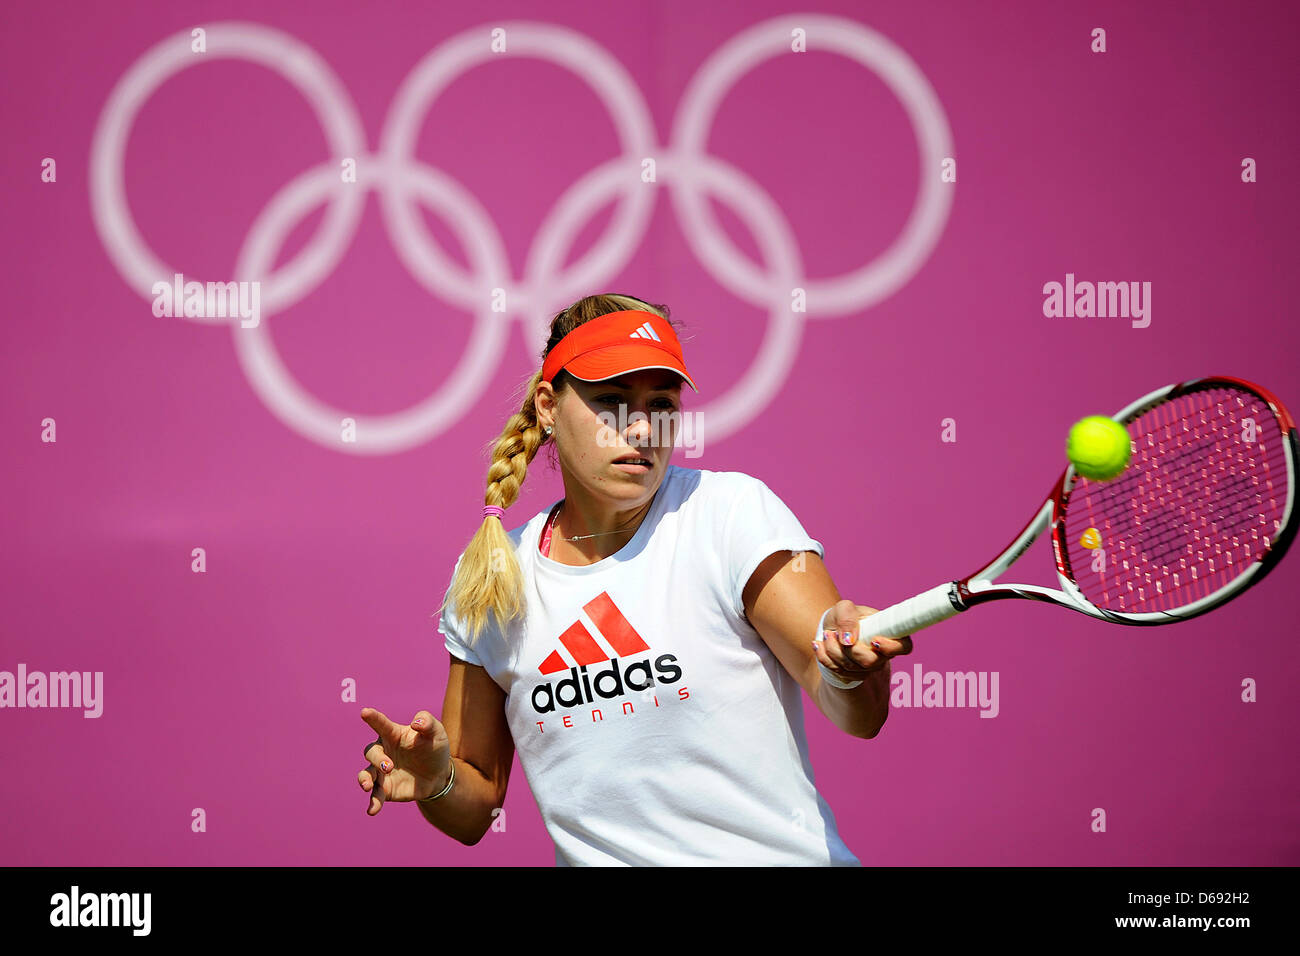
{"x": 615, "y": 344}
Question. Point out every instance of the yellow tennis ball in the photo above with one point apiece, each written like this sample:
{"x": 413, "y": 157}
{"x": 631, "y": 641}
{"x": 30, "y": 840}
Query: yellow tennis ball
{"x": 1098, "y": 447}
{"x": 1091, "y": 539}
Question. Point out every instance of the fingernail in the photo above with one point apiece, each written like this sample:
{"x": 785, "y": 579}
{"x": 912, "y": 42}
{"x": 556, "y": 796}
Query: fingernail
{"x": 827, "y": 635}
{"x": 418, "y": 722}
{"x": 386, "y": 766}
{"x": 846, "y": 637}
{"x": 876, "y": 645}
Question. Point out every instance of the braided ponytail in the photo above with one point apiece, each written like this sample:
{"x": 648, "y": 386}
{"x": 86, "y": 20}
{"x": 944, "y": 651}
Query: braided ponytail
{"x": 488, "y": 579}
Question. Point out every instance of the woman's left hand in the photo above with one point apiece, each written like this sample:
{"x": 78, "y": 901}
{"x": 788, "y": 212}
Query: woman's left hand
{"x": 861, "y": 654}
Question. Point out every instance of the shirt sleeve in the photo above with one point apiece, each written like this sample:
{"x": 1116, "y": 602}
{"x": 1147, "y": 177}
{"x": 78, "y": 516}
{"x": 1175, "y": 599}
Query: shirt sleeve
{"x": 454, "y": 632}
{"x": 758, "y": 524}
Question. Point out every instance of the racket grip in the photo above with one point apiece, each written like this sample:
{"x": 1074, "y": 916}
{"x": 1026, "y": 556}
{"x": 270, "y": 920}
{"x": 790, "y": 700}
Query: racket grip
{"x": 906, "y": 617}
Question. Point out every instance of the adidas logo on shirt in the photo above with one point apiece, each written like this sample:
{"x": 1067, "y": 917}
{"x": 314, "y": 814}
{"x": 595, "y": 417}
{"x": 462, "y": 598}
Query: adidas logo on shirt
{"x": 645, "y": 332}
{"x": 619, "y": 679}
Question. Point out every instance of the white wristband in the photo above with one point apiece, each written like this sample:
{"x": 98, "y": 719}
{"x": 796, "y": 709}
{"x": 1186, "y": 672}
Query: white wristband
{"x": 827, "y": 674}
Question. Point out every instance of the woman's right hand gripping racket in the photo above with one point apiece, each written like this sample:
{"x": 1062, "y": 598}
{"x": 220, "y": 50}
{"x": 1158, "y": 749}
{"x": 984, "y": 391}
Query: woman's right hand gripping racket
{"x": 1203, "y": 511}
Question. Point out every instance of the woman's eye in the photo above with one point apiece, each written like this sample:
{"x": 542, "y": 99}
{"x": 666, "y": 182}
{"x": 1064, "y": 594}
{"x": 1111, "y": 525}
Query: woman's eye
{"x": 664, "y": 403}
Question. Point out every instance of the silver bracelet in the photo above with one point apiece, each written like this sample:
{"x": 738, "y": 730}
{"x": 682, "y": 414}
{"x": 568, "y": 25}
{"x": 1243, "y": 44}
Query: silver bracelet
{"x": 437, "y": 796}
{"x": 827, "y": 674}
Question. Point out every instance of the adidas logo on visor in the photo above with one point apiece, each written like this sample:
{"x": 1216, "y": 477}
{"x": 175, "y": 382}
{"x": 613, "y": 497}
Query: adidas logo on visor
{"x": 645, "y": 332}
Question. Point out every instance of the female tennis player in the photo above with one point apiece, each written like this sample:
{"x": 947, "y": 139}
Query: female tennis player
{"x": 642, "y": 642}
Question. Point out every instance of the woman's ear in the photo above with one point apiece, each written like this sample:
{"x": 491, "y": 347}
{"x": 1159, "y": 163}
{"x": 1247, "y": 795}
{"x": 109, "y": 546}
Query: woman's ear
{"x": 544, "y": 404}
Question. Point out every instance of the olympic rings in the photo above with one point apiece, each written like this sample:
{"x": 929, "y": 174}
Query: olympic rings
{"x": 547, "y": 284}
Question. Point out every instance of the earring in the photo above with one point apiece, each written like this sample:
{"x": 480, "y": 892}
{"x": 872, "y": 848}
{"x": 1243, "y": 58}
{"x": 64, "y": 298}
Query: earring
{"x": 548, "y": 431}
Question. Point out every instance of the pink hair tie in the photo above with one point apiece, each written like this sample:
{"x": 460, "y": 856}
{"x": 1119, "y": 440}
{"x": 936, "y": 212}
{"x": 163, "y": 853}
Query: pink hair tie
{"x": 493, "y": 510}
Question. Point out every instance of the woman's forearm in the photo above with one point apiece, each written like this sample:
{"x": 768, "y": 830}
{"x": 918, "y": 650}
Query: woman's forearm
{"x": 862, "y": 710}
{"x": 465, "y": 812}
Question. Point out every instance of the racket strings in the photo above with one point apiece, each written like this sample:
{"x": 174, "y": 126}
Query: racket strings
{"x": 1211, "y": 522}
{"x": 1201, "y": 502}
{"x": 1165, "y": 536}
{"x": 1217, "y": 513}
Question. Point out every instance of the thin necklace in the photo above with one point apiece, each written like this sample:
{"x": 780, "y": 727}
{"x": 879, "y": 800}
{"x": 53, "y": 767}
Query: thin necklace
{"x": 596, "y": 535}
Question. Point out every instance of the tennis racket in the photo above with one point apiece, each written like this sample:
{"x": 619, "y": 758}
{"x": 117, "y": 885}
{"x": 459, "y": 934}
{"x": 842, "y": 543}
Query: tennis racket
{"x": 1204, "y": 510}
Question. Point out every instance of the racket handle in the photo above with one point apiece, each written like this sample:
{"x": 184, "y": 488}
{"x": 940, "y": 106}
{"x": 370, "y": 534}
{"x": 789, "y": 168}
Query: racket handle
{"x": 906, "y": 617}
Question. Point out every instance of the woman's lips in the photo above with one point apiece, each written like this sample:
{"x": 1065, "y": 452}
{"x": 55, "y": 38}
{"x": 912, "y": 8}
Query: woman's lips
{"x": 628, "y": 466}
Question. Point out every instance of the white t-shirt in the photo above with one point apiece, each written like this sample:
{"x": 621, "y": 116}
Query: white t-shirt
{"x": 654, "y": 724}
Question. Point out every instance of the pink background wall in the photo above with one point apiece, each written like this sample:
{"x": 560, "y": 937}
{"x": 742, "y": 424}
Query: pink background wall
{"x": 325, "y": 562}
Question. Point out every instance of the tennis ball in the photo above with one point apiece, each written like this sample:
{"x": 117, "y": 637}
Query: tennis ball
{"x": 1098, "y": 447}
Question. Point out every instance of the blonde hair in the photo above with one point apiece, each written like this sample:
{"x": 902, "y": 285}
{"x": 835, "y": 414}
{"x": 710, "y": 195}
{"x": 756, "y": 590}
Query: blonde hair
{"x": 488, "y": 578}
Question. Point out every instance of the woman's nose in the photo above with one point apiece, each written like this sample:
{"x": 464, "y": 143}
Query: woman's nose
{"x": 638, "y": 427}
